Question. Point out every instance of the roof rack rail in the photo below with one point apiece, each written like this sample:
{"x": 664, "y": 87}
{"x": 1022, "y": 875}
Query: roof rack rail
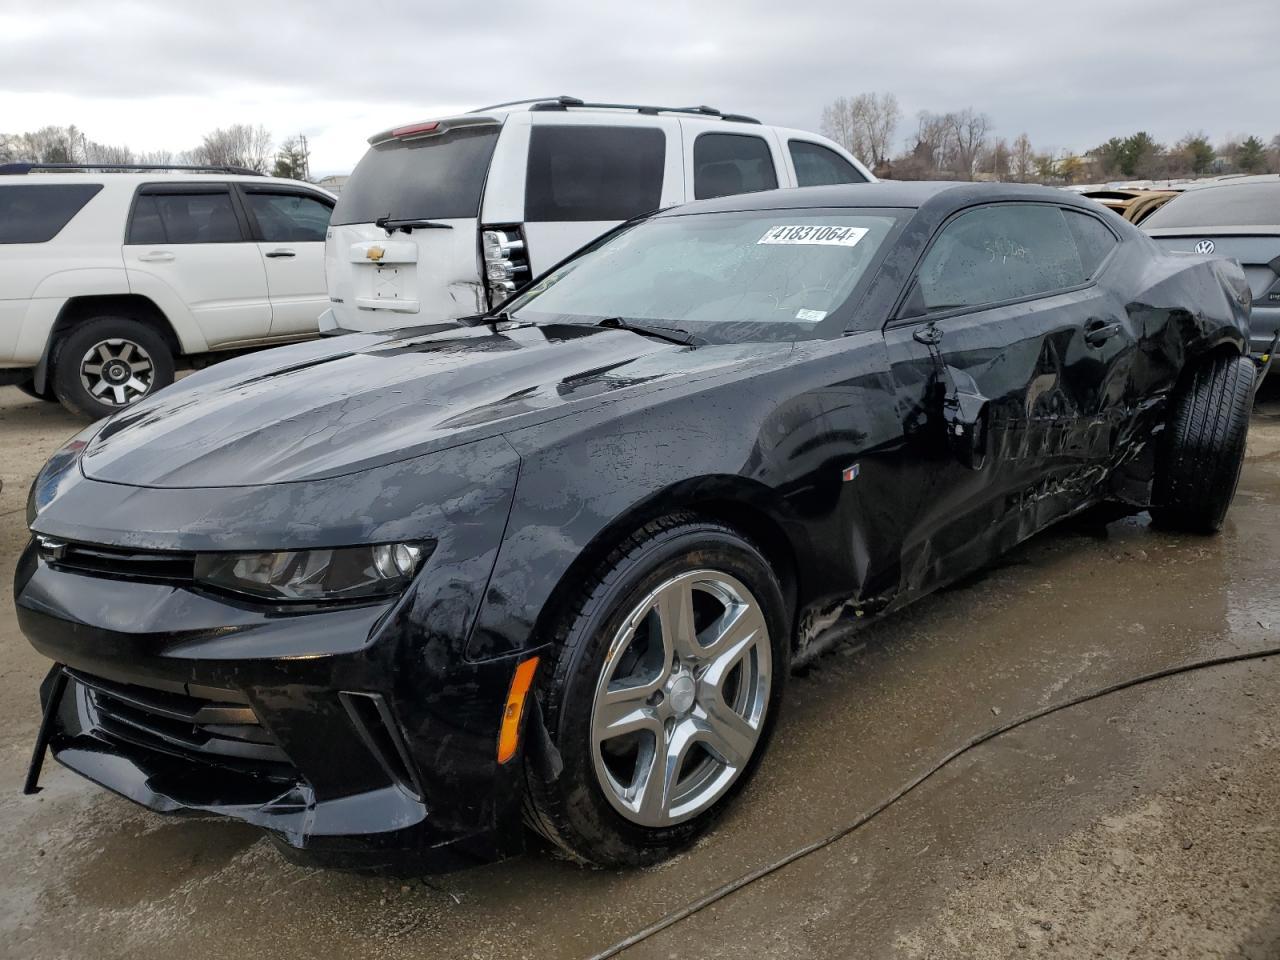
{"x": 24, "y": 167}
{"x": 520, "y": 103}
{"x": 564, "y": 103}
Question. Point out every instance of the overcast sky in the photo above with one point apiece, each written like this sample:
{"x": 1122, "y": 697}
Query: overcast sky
{"x": 157, "y": 74}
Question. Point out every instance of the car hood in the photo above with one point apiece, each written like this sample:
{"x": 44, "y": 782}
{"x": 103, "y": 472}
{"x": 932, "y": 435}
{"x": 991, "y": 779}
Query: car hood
{"x": 337, "y": 406}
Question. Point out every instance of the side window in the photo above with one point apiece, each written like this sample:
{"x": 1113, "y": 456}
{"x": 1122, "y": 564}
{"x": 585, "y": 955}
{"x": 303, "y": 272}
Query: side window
{"x": 729, "y": 163}
{"x": 593, "y": 173}
{"x": 184, "y": 218}
{"x": 288, "y": 217}
{"x": 1093, "y": 240}
{"x": 36, "y": 213}
{"x": 1000, "y": 252}
{"x": 818, "y": 166}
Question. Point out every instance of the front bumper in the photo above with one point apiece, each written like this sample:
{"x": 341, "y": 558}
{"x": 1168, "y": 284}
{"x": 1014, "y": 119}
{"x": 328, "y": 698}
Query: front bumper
{"x": 333, "y": 729}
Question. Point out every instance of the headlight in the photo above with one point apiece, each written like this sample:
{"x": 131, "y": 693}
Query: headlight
{"x": 343, "y": 573}
{"x": 45, "y": 485}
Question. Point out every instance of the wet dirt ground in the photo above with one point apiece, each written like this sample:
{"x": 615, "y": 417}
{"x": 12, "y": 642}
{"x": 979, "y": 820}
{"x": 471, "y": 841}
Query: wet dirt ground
{"x": 1145, "y": 823}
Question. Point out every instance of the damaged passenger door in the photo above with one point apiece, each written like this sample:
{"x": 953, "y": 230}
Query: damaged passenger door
{"x": 1004, "y": 355}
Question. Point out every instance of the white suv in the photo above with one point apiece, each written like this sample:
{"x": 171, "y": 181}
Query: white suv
{"x": 446, "y": 218}
{"x": 108, "y": 280}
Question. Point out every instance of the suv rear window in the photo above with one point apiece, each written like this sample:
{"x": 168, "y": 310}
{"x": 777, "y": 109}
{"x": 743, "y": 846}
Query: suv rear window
{"x": 593, "y": 173}
{"x": 1231, "y": 205}
{"x": 431, "y": 178}
{"x": 730, "y": 163}
{"x": 36, "y": 212}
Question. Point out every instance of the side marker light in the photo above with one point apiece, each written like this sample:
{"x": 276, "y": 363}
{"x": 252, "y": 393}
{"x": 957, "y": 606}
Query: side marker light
{"x": 509, "y": 733}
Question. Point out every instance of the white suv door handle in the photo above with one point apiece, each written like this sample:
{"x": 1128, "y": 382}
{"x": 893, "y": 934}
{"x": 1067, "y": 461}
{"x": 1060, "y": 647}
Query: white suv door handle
{"x": 156, "y": 256}
{"x": 281, "y": 252}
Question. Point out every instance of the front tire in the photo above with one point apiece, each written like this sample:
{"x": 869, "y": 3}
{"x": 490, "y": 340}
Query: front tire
{"x": 108, "y": 363}
{"x": 1201, "y": 453}
{"x": 669, "y": 677}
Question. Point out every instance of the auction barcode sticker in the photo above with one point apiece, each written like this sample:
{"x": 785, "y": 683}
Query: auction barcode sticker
{"x": 826, "y": 236}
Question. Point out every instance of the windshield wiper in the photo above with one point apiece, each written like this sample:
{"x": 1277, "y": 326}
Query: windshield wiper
{"x": 391, "y": 225}
{"x": 670, "y": 334}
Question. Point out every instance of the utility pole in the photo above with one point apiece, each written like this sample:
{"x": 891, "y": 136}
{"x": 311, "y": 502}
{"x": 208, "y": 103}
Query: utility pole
{"x": 306, "y": 157}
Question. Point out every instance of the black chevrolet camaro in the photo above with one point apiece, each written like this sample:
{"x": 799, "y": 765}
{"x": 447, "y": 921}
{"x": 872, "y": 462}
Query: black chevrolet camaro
{"x": 396, "y": 597}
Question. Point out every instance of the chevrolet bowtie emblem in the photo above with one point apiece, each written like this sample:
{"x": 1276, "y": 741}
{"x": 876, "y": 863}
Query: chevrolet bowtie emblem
{"x": 375, "y": 253}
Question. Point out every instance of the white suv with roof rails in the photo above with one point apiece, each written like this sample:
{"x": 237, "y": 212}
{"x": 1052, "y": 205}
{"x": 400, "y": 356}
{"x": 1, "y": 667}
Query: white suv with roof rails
{"x": 447, "y": 218}
{"x": 109, "y": 279}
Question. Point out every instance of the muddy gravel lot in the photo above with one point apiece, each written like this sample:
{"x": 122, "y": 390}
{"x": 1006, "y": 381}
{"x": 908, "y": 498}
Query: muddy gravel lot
{"x": 1145, "y": 823}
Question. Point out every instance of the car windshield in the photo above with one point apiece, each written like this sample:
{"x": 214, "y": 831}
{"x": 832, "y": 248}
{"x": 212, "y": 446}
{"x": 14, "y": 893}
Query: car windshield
{"x": 725, "y": 277}
{"x": 1230, "y": 205}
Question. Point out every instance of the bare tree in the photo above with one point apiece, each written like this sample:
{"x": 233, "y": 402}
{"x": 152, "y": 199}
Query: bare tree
{"x": 995, "y": 160}
{"x": 102, "y": 153}
{"x": 864, "y": 125}
{"x": 156, "y": 156}
{"x": 1022, "y": 162}
{"x": 934, "y": 140}
{"x": 969, "y": 136}
{"x": 879, "y": 115}
{"x": 837, "y": 124}
{"x": 239, "y": 145}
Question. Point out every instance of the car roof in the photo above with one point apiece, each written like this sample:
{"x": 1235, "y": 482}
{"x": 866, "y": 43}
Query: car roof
{"x": 885, "y": 193}
{"x": 154, "y": 176}
{"x": 1234, "y": 181}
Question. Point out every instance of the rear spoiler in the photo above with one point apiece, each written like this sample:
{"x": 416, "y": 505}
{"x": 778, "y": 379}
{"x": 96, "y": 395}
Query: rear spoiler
{"x": 431, "y": 128}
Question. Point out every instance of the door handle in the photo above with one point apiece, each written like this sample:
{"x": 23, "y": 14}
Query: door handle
{"x": 282, "y": 252}
{"x": 1098, "y": 332}
{"x": 156, "y": 256}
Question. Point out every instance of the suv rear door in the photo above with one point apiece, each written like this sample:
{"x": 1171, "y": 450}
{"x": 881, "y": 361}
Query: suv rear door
{"x": 187, "y": 248}
{"x": 427, "y": 180}
{"x": 289, "y": 224}
{"x": 585, "y": 173}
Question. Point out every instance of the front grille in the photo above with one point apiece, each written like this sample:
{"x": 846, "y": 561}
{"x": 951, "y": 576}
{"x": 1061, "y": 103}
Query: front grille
{"x": 122, "y": 563}
{"x": 223, "y": 731}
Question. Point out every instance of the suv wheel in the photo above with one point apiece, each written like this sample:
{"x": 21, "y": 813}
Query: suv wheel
{"x": 108, "y": 363}
{"x": 669, "y": 677}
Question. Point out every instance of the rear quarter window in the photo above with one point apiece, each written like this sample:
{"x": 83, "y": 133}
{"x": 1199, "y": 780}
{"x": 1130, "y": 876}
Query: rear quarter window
{"x": 1093, "y": 241}
{"x": 593, "y": 172}
{"x": 817, "y": 166}
{"x": 437, "y": 177}
{"x": 37, "y": 212}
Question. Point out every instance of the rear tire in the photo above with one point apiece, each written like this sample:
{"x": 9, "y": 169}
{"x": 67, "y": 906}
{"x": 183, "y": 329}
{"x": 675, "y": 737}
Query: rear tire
{"x": 1201, "y": 452}
{"x": 108, "y": 363}
{"x": 581, "y": 775}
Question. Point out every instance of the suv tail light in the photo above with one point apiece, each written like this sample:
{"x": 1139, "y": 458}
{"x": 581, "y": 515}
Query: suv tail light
{"x": 506, "y": 262}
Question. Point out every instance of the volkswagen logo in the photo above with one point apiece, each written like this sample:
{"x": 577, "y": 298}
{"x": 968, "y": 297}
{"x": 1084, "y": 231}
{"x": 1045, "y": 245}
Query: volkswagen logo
{"x": 1204, "y": 246}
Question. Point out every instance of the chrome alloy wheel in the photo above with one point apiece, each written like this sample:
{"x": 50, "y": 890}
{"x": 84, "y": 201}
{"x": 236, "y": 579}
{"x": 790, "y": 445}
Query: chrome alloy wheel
{"x": 681, "y": 700}
{"x": 117, "y": 372}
